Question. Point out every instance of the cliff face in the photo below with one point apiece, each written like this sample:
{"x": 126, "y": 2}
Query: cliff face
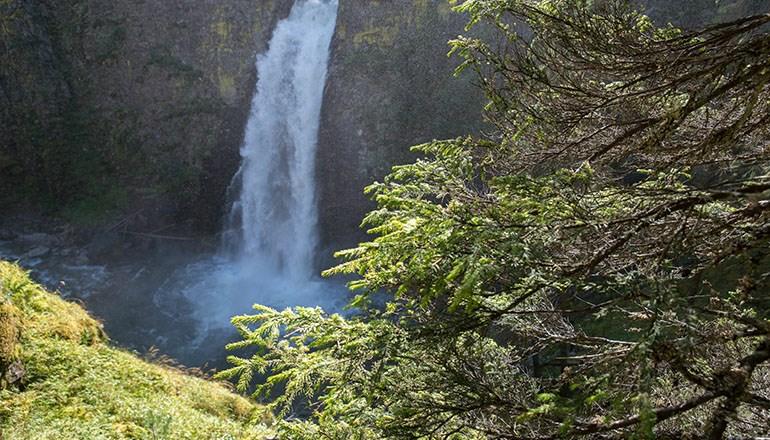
{"x": 173, "y": 82}
{"x": 34, "y": 92}
{"x": 152, "y": 94}
{"x": 390, "y": 86}
{"x": 695, "y": 13}
{"x": 140, "y": 105}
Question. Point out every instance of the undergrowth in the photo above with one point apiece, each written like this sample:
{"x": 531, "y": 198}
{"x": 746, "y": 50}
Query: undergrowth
{"x": 77, "y": 386}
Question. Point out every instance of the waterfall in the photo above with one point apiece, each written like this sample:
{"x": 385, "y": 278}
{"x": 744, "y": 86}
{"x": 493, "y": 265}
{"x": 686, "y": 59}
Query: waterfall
{"x": 272, "y": 226}
{"x": 270, "y": 238}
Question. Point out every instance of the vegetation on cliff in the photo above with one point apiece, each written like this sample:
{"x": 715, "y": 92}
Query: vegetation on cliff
{"x": 107, "y": 107}
{"x": 596, "y": 266}
{"x": 74, "y": 385}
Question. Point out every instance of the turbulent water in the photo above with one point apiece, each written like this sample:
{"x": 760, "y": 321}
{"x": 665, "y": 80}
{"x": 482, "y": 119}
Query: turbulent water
{"x": 269, "y": 244}
{"x": 273, "y": 224}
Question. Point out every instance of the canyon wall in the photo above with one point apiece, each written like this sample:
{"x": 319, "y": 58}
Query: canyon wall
{"x": 138, "y": 107}
{"x": 696, "y": 13}
{"x": 390, "y": 86}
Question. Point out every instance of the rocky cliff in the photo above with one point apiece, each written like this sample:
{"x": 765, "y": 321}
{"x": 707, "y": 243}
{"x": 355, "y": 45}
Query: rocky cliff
{"x": 139, "y": 106}
{"x": 696, "y": 13}
{"x": 390, "y": 86}
{"x": 35, "y": 94}
{"x": 148, "y": 93}
{"x": 154, "y": 95}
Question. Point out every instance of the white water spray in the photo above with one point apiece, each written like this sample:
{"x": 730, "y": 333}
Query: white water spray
{"x": 270, "y": 240}
{"x": 273, "y": 224}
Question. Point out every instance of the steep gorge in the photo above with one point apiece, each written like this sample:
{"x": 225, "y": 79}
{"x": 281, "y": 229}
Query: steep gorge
{"x": 137, "y": 108}
{"x": 155, "y": 95}
{"x": 391, "y": 86}
{"x": 151, "y": 94}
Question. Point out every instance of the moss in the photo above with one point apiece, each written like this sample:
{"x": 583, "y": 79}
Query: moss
{"x": 44, "y": 315}
{"x": 79, "y": 387}
{"x": 95, "y": 207}
{"x": 222, "y": 29}
{"x": 220, "y": 38}
{"x": 10, "y": 329}
{"x": 226, "y": 85}
{"x": 383, "y": 36}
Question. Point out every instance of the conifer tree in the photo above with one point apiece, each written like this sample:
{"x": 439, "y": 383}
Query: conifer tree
{"x": 594, "y": 267}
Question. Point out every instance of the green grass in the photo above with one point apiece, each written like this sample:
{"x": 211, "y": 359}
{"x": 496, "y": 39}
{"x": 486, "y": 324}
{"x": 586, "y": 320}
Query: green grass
{"x": 79, "y": 387}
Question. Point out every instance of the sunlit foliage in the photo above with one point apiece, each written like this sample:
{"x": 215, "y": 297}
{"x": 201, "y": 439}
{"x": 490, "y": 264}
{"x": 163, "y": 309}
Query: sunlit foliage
{"x": 596, "y": 266}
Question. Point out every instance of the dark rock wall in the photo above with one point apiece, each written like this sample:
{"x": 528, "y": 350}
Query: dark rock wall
{"x": 390, "y": 86}
{"x": 141, "y": 104}
{"x": 173, "y": 82}
{"x": 691, "y": 14}
{"x": 34, "y": 94}
{"x": 151, "y": 94}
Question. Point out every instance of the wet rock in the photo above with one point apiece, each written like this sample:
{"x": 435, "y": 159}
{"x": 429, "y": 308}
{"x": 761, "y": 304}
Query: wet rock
{"x": 81, "y": 259}
{"x": 40, "y": 238}
{"x": 37, "y": 252}
{"x": 106, "y": 245}
{"x": 7, "y": 235}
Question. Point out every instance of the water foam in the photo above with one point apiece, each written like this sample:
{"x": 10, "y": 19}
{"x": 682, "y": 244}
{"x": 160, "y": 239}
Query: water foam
{"x": 270, "y": 239}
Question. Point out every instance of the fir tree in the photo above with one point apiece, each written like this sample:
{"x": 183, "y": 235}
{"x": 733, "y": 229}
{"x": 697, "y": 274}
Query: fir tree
{"x": 596, "y": 266}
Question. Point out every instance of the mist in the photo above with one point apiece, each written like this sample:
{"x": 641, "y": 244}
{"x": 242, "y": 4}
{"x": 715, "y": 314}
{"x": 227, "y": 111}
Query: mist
{"x": 270, "y": 240}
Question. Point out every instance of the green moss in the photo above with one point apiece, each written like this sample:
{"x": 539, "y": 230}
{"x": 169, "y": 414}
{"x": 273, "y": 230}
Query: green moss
{"x": 226, "y": 83}
{"x": 222, "y": 29}
{"x": 383, "y": 36}
{"x": 42, "y": 314}
{"x": 220, "y": 38}
{"x": 79, "y": 387}
{"x": 9, "y": 336}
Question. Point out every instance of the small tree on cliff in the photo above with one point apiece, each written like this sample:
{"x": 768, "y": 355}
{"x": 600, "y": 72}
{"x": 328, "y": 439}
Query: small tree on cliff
{"x": 595, "y": 267}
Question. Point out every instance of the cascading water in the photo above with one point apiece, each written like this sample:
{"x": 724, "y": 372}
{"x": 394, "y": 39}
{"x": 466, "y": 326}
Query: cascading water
{"x": 273, "y": 224}
{"x": 270, "y": 237}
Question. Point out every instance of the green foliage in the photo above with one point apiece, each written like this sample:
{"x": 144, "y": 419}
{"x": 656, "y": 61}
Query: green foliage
{"x": 583, "y": 271}
{"x": 53, "y": 162}
{"x": 78, "y": 387}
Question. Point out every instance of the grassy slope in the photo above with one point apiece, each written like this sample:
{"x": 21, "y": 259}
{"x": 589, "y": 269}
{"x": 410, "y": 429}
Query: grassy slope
{"x": 79, "y": 387}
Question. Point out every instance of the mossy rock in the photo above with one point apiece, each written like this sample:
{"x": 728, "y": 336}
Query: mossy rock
{"x": 41, "y": 314}
{"x": 10, "y": 332}
{"x": 78, "y": 386}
